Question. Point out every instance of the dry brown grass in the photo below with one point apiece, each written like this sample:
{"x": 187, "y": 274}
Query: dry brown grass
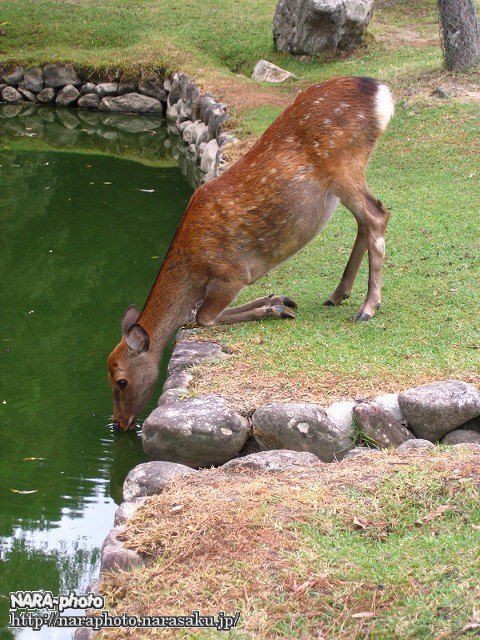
{"x": 247, "y": 388}
{"x": 236, "y": 541}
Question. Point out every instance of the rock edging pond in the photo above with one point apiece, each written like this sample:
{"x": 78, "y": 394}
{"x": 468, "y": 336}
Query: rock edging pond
{"x": 195, "y": 117}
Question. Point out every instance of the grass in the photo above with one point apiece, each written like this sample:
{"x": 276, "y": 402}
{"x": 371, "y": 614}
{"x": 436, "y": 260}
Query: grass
{"x": 352, "y": 550}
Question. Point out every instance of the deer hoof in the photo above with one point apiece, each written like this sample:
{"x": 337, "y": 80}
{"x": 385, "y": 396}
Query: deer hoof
{"x": 362, "y": 317}
{"x": 281, "y": 311}
{"x": 329, "y": 303}
{"x": 288, "y": 302}
{"x": 283, "y": 301}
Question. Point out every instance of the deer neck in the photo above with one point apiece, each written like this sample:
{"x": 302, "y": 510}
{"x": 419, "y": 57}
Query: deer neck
{"x": 172, "y": 297}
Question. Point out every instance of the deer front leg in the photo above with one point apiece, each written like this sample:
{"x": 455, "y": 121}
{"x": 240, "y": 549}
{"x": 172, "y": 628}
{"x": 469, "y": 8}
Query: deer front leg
{"x": 220, "y": 294}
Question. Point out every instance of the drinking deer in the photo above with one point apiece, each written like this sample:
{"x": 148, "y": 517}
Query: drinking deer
{"x": 255, "y": 215}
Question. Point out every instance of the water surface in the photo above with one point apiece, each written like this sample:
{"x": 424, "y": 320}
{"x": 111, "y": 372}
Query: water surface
{"x": 88, "y": 206}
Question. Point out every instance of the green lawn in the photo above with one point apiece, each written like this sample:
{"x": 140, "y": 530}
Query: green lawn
{"x": 425, "y": 170}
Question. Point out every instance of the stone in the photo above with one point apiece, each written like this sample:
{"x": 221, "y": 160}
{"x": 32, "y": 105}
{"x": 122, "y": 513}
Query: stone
{"x": 128, "y": 86}
{"x": 131, "y": 103}
{"x": 88, "y": 87}
{"x": 433, "y": 410}
{"x": 204, "y": 107}
{"x": 415, "y": 445}
{"x": 314, "y": 26}
{"x": 217, "y": 118}
{"x": 340, "y": 413}
{"x": 10, "y": 94}
{"x": 67, "y": 96}
{"x": 265, "y": 71}
{"x": 461, "y": 436}
{"x": 197, "y": 432}
{"x": 89, "y": 101}
{"x": 359, "y": 451}
{"x": 151, "y": 478}
{"x": 273, "y": 461}
{"x": 172, "y": 113}
{"x": 153, "y": 87}
{"x": 32, "y": 80}
{"x": 183, "y": 112}
{"x": 127, "y": 510}
{"x": 191, "y": 132}
{"x": 441, "y": 92}
{"x": 301, "y": 427}
{"x": 470, "y": 446}
{"x": 190, "y": 353}
{"x": 115, "y": 556}
{"x": 379, "y": 426}
{"x": 60, "y": 75}
{"x": 191, "y": 94}
{"x": 106, "y": 89}
{"x": 26, "y": 94}
{"x": 389, "y": 401}
{"x": 46, "y": 95}
{"x": 13, "y": 77}
{"x": 209, "y": 156}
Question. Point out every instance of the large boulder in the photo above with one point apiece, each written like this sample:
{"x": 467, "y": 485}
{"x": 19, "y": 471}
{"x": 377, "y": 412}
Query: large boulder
{"x": 462, "y": 436}
{"x": 32, "y": 80}
{"x": 106, "y": 89}
{"x": 435, "y": 409}
{"x": 265, "y": 71}
{"x": 315, "y": 26}
{"x": 46, "y": 95}
{"x": 13, "y": 77}
{"x": 115, "y": 556}
{"x": 60, "y": 75}
{"x": 151, "y": 478}
{"x": 301, "y": 427}
{"x": 197, "y": 432}
{"x": 127, "y": 510}
{"x": 153, "y": 87}
{"x": 89, "y": 101}
{"x": 273, "y": 461}
{"x": 10, "y": 94}
{"x": 389, "y": 401}
{"x": 189, "y": 353}
{"x": 379, "y": 426}
{"x": 131, "y": 103}
{"x": 67, "y": 96}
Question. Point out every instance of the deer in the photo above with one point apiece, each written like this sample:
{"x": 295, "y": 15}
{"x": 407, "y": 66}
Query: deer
{"x": 255, "y": 215}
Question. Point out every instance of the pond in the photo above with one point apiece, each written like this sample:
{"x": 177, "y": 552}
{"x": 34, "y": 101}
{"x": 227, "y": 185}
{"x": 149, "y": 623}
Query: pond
{"x": 88, "y": 206}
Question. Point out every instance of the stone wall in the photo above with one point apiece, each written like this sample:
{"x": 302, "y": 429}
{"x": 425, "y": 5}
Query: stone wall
{"x": 195, "y": 119}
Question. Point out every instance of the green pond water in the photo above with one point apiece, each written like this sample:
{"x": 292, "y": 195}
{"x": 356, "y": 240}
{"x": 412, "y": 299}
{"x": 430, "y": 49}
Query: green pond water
{"x": 88, "y": 207}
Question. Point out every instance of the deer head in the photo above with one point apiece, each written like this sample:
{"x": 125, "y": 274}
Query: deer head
{"x": 132, "y": 371}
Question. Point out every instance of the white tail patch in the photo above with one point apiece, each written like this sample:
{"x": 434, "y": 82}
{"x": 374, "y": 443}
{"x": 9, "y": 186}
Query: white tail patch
{"x": 384, "y": 106}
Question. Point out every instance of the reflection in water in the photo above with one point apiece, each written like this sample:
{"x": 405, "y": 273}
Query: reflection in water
{"x": 82, "y": 236}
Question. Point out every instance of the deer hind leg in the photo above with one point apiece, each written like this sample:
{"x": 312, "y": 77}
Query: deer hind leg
{"x": 344, "y": 289}
{"x": 220, "y": 294}
{"x": 372, "y": 218}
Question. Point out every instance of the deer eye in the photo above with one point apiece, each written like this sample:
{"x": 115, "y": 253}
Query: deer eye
{"x": 122, "y": 383}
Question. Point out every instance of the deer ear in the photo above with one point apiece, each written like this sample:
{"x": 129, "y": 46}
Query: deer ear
{"x": 130, "y": 317}
{"x": 137, "y": 339}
